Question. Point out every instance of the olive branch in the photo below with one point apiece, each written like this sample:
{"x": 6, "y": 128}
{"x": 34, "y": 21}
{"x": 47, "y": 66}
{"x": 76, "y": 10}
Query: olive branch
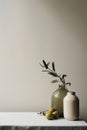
{"x": 51, "y": 71}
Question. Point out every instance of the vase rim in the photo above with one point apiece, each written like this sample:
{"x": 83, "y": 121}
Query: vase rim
{"x": 71, "y": 92}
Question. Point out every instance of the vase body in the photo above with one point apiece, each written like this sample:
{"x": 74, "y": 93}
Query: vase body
{"x": 71, "y": 106}
{"x": 57, "y": 98}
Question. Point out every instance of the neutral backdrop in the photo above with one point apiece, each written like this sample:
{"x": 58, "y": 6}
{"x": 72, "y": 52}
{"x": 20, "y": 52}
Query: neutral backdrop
{"x": 33, "y": 30}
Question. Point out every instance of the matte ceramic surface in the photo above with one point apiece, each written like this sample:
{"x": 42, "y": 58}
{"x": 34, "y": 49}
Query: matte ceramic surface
{"x": 71, "y": 106}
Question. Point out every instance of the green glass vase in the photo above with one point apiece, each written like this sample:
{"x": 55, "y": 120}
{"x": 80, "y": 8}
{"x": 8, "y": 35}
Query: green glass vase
{"x": 57, "y": 98}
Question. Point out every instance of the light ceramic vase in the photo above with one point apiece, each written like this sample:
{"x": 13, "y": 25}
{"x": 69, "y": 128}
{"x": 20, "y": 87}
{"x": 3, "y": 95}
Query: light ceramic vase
{"x": 57, "y": 98}
{"x": 71, "y": 106}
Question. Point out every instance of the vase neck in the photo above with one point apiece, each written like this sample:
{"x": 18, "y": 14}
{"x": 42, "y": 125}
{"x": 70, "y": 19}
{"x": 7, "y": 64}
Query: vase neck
{"x": 61, "y": 86}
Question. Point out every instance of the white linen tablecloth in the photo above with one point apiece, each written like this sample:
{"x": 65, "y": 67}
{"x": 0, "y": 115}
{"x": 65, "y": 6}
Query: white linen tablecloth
{"x": 33, "y": 121}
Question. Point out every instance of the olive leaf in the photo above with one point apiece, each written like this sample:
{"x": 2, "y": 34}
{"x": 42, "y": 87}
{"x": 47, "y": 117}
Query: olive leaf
{"x": 53, "y": 66}
{"x": 53, "y": 74}
{"x": 54, "y": 81}
{"x": 68, "y": 83}
{"x": 48, "y": 63}
{"x": 63, "y": 76}
{"x": 45, "y": 65}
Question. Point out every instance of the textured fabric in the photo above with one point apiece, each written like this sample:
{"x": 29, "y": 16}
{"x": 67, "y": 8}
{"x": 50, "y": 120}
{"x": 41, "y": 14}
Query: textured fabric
{"x": 33, "y": 121}
{"x": 41, "y": 128}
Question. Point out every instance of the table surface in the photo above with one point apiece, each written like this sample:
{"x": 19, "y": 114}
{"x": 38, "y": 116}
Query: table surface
{"x": 33, "y": 119}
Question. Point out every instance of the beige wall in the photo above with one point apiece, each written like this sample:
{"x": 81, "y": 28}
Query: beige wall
{"x": 32, "y": 30}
